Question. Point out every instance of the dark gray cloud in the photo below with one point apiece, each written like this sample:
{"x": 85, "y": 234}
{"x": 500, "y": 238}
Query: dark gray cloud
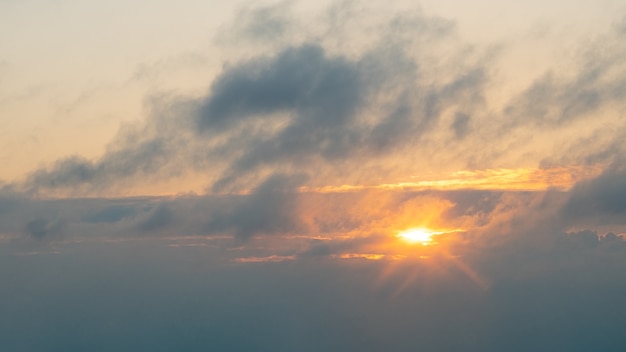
{"x": 9, "y": 200}
{"x": 461, "y": 125}
{"x": 41, "y": 228}
{"x": 322, "y": 95}
{"x": 601, "y": 200}
{"x": 77, "y": 174}
{"x": 110, "y": 214}
{"x": 269, "y": 209}
{"x": 158, "y": 218}
{"x": 478, "y": 205}
{"x": 326, "y": 90}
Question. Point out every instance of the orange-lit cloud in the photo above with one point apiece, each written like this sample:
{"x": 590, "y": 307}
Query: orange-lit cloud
{"x": 370, "y": 256}
{"x": 268, "y": 259}
{"x": 522, "y": 179}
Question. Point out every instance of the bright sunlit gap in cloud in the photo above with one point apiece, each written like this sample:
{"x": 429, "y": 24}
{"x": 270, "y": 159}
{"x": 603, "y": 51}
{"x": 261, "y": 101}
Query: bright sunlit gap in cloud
{"x": 417, "y": 235}
{"x": 421, "y": 235}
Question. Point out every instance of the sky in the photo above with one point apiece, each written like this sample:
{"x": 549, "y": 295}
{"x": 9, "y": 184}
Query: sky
{"x": 312, "y": 176}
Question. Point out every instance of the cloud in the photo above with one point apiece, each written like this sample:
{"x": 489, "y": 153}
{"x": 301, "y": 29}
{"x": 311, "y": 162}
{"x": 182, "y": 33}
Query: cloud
{"x": 110, "y": 214}
{"x": 461, "y": 124}
{"x": 9, "y": 200}
{"x": 76, "y": 173}
{"x": 303, "y": 107}
{"x": 561, "y": 97}
{"x": 323, "y": 94}
{"x": 577, "y": 106}
{"x": 303, "y": 79}
{"x": 300, "y": 106}
{"x": 601, "y": 200}
{"x": 161, "y": 216}
{"x": 41, "y": 228}
{"x": 269, "y": 209}
{"x": 259, "y": 24}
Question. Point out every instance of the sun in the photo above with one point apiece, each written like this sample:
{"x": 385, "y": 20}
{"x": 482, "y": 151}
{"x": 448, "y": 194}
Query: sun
{"x": 417, "y": 235}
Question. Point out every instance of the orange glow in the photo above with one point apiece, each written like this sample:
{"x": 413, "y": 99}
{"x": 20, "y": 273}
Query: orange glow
{"x": 521, "y": 179}
{"x": 370, "y": 256}
{"x": 417, "y": 235}
{"x": 422, "y": 235}
{"x": 269, "y": 259}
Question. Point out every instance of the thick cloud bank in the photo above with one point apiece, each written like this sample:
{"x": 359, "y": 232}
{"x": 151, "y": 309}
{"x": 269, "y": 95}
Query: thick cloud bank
{"x": 299, "y": 274}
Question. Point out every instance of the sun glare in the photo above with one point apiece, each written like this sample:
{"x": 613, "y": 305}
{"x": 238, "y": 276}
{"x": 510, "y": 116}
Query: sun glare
{"x": 419, "y": 235}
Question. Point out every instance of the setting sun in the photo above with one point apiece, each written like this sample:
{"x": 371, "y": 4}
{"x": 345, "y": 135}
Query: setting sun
{"x": 417, "y": 235}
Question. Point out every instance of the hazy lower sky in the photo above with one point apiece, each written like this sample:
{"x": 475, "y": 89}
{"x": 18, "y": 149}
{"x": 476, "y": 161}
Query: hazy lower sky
{"x": 299, "y": 176}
